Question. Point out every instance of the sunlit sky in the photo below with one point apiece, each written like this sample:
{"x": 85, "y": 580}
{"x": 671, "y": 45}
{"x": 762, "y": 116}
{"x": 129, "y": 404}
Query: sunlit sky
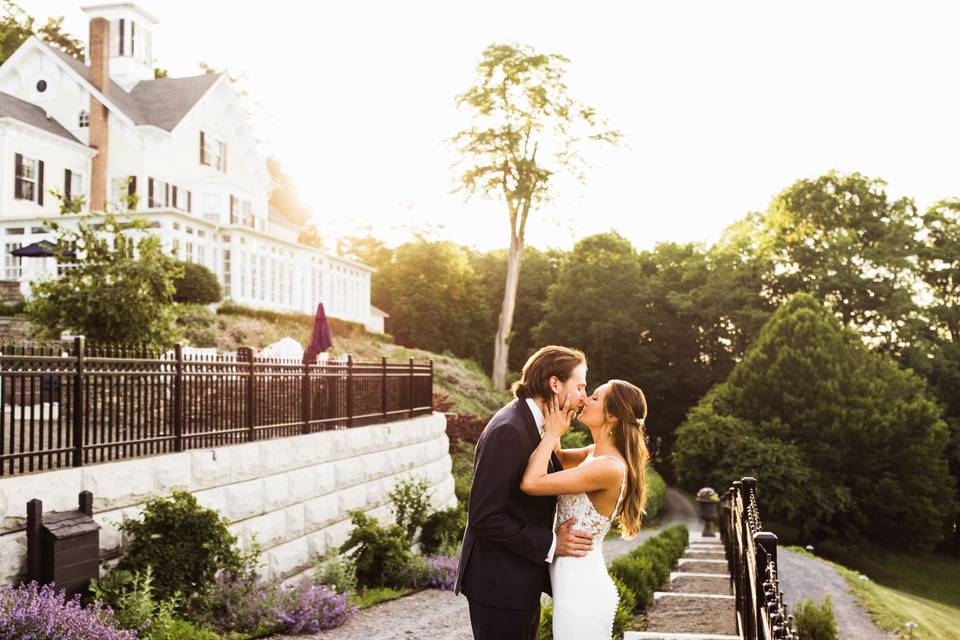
{"x": 722, "y": 104}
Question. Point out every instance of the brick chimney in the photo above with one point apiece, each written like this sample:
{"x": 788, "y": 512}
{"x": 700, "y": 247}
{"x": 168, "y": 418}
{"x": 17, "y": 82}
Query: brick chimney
{"x": 100, "y": 78}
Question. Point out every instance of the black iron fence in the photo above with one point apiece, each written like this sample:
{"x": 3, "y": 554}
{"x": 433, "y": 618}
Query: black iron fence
{"x": 68, "y": 405}
{"x": 752, "y": 557}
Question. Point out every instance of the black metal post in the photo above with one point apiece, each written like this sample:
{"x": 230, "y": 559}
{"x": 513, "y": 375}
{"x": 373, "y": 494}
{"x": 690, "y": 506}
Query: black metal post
{"x": 79, "y": 346}
{"x": 383, "y": 386}
{"x": 34, "y": 522}
{"x": 410, "y": 386}
{"x": 305, "y": 400}
{"x": 178, "y": 398}
{"x": 350, "y": 392}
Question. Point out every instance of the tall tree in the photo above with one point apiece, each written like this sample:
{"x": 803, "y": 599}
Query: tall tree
{"x": 843, "y": 240}
{"x": 16, "y": 26}
{"x": 526, "y": 130}
{"x": 846, "y": 443}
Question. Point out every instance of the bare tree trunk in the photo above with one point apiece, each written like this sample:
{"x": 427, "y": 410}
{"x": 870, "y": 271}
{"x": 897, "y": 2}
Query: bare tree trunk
{"x": 501, "y": 344}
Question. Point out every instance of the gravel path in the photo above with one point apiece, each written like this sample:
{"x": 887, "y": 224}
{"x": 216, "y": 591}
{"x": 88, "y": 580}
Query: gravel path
{"x": 803, "y": 577}
{"x": 440, "y": 615}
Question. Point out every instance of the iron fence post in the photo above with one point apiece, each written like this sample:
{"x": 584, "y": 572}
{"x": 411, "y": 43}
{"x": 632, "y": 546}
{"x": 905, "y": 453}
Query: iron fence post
{"x": 350, "y": 391}
{"x": 410, "y": 386}
{"x": 79, "y": 346}
{"x": 383, "y": 386}
{"x": 178, "y": 398}
{"x": 305, "y": 400}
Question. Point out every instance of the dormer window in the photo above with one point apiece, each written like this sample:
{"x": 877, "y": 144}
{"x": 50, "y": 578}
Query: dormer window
{"x": 213, "y": 152}
{"x": 84, "y": 119}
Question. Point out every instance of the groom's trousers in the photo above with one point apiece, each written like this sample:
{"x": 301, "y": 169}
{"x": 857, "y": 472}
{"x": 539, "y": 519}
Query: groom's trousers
{"x": 494, "y": 623}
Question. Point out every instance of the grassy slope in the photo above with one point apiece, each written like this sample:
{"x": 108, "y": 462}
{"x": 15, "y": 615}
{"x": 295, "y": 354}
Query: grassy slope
{"x": 924, "y": 588}
{"x": 460, "y": 380}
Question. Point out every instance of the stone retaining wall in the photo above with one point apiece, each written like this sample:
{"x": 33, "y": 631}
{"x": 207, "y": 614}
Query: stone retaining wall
{"x": 292, "y": 494}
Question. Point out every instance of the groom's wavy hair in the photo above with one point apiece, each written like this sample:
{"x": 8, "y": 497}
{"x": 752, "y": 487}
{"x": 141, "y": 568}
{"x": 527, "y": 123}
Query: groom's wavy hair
{"x": 626, "y": 404}
{"x": 547, "y": 362}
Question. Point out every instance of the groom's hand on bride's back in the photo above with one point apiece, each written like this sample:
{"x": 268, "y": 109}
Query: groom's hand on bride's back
{"x": 571, "y": 542}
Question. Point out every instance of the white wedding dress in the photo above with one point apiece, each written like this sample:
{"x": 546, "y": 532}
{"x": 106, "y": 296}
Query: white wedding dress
{"x": 584, "y": 596}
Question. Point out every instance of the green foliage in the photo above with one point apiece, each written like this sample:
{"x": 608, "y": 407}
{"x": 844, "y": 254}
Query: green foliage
{"x": 337, "y": 572}
{"x": 116, "y": 287}
{"x": 185, "y": 544}
{"x": 842, "y": 441}
{"x": 626, "y": 605}
{"x": 16, "y": 26}
{"x": 443, "y": 529}
{"x": 646, "y": 567}
{"x": 545, "y": 627}
{"x": 339, "y": 328}
{"x": 197, "y": 324}
{"x": 816, "y": 622}
{"x": 379, "y": 554}
{"x": 575, "y": 439}
{"x": 656, "y": 494}
{"x": 830, "y": 236}
{"x": 410, "y": 505}
{"x": 131, "y": 596}
{"x": 434, "y": 298}
{"x": 196, "y": 285}
{"x": 369, "y": 597}
{"x": 13, "y": 309}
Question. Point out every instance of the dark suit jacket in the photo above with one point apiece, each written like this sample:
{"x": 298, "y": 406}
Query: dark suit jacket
{"x": 508, "y": 535}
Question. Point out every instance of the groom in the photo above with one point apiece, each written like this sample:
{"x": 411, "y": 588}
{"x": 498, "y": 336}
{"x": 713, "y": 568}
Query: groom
{"x": 509, "y": 537}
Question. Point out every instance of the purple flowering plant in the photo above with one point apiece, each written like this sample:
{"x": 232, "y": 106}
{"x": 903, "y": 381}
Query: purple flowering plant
{"x": 309, "y": 608}
{"x": 443, "y": 572}
{"x": 41, "y": 613}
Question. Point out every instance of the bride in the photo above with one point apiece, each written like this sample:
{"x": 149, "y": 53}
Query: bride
{"x": 598, "y": 483}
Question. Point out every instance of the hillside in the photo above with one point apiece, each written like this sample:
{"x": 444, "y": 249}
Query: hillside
{"x": 232, "y": 326}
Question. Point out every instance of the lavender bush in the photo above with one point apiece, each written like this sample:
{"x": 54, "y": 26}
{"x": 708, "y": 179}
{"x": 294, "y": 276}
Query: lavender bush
{"x": 244, "y": 604}
{"x": 443, "y": 572}
{"x": 40, "y": 613}
{"x": 309, "y": 609}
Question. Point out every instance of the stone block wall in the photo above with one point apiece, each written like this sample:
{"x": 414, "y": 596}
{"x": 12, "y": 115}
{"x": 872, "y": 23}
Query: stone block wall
{"x": 293, "y": 495}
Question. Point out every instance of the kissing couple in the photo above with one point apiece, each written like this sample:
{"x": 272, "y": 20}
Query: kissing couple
{"x": 524, "y": 484}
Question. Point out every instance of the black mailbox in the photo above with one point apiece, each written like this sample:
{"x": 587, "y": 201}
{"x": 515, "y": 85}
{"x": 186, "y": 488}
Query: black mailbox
{"x": 63, "y": 548}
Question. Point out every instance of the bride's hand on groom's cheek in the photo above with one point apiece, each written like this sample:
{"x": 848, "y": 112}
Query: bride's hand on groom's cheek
{"x": 571, "y": 542}
{"x": 557, "y": 418}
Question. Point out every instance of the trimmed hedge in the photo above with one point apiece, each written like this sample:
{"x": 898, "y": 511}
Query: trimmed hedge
{"x": 636, "y": 575}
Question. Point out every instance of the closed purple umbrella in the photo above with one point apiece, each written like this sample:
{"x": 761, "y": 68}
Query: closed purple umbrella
{"x": 322, "y": 337}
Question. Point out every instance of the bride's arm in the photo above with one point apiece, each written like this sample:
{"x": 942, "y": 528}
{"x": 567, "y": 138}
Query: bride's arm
{"x": 537, "y": 482}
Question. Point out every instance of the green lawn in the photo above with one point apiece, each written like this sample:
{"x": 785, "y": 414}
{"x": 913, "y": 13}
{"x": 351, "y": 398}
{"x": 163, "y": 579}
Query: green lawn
{"x": 924, "y": 588}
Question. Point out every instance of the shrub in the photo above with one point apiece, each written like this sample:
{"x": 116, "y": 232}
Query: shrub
{"x": 545, "y": 628}
{"x": 41, "y": 613}
{"x": 310, "y": 609}
{"x": 197, "y": 285}
{"x": 575, "y": 439}
{"x": 416, "y": 573}
{"x": 186, "y": 545}
{"x": 442, "y": 529}
{"x": 183, "y": 630}
{"x": 131, "y": 597}
{"x": 443, "y": 572}
{"x": 410, "y": 505}
{"x": 337, "y": 572}
{"x": 626, "y": 605}
{"x": 379, "y": 554}
{"x": 648, "y": 566}
{"x": 13, "y": 309}
{"x": 816, "y": 622}
{"x": 656, "y": 494}
{"x": 243, "y": 604}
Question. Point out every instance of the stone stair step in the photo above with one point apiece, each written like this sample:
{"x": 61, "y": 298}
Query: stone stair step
{"x": 681, "y": 594}
{"x": 708, "y": 560}
{"x": 660, "y": 635}
{"x": 694, "y": 574}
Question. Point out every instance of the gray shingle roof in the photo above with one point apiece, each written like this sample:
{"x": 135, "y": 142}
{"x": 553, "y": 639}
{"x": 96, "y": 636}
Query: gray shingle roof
{"x": 31, "y": 114}
{"x": 162, "y": 102}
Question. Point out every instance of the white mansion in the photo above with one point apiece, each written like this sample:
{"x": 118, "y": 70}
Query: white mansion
{"x": 182, "y": 145}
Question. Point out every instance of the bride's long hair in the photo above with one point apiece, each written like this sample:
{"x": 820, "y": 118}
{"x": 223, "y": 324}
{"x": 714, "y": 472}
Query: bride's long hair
{"x": 626, "y": 404}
